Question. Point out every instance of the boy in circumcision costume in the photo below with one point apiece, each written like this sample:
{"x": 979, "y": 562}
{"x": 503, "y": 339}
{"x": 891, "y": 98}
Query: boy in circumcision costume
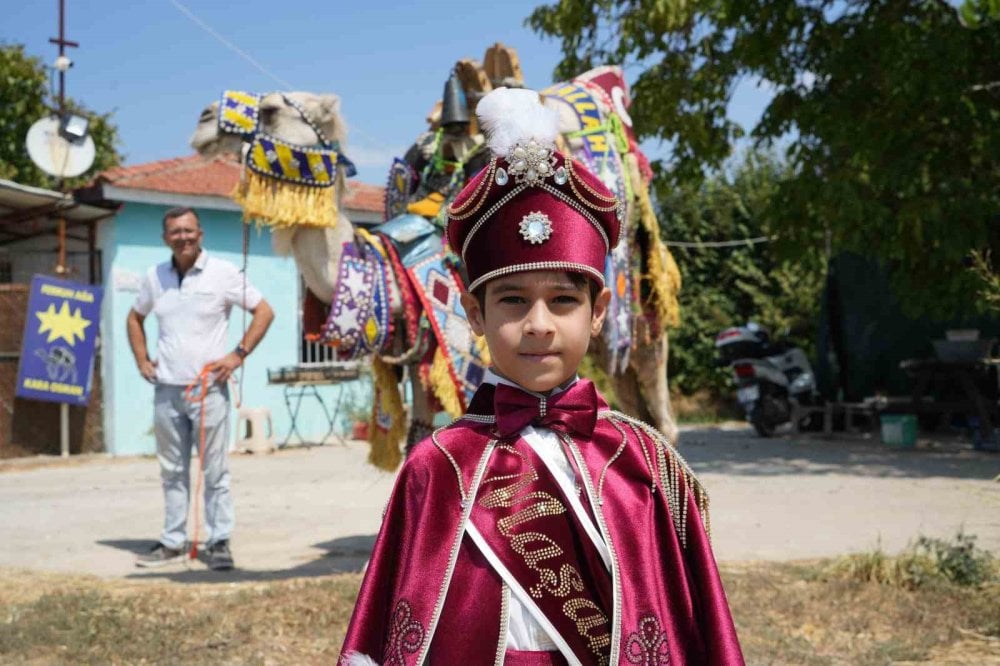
{"x": 541, "y": 528}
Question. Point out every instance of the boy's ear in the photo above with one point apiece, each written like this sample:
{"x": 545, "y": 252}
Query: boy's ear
{"x": 473, "y": 312}
{"x": 599, "y": 312}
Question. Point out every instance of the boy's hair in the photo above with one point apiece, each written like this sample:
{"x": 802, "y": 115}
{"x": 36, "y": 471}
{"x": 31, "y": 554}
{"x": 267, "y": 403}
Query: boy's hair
{"x": 578, "y": 279}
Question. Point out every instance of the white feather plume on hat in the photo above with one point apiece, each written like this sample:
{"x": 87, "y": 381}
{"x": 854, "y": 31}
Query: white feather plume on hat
{"x": 510, "y": 116}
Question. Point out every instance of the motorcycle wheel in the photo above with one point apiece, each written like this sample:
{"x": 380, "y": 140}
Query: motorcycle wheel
{"x": 763, "y": 428}
{"x": 760, "y": 422}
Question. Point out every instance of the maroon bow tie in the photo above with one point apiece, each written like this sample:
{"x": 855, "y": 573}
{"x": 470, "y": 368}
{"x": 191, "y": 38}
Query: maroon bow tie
{"x": 572, "y": 411}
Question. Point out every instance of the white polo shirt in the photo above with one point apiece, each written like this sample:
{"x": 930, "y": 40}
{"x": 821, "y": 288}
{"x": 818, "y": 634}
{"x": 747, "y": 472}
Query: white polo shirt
{"x": 192, "y": 314}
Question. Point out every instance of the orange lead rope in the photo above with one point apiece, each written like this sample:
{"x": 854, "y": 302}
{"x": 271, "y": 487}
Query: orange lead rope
{"x": 197, "y": 391}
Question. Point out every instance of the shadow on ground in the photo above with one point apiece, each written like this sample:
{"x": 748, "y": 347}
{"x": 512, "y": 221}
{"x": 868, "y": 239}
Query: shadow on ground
{"x": 715, "y": 450}
{"x": 343, "y": 555}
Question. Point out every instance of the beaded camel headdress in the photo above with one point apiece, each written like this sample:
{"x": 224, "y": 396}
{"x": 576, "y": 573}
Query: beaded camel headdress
{"x": 285, "y": 184}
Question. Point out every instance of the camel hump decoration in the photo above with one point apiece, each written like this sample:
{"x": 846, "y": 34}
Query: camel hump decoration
{"x": 643, "y": 277}
{"x": 392, "y": 292}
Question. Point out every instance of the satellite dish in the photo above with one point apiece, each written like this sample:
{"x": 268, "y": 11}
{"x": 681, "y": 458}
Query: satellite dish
{"x": 55, "y": 155}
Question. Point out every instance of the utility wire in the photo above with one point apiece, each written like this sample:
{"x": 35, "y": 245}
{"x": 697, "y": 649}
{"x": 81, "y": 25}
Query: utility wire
{"x": 259, "y": 67}
{"x": 729, "y": 243}
{"x": 243, "y": 54}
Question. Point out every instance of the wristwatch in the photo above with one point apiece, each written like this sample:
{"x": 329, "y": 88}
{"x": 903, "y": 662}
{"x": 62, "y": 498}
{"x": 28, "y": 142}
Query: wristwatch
{"x": 241, "y": 351}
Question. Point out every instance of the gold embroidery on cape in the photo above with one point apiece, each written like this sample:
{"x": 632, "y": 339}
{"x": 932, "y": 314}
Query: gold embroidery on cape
{"x": 586, "y": 616}
{"x": 534, "y": 547}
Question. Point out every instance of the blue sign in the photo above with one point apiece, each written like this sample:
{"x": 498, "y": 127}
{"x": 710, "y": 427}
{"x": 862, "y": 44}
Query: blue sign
{"x": 60, "y": 330}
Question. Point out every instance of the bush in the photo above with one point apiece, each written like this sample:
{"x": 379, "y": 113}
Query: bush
{"x": 728, "y": 286}
{"x": 928, "y": 561}
{"x": 960, "y": 562}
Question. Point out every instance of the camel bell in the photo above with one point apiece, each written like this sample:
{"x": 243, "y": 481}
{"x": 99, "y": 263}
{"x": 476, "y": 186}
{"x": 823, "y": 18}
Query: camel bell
{"x": 455, "y": 108}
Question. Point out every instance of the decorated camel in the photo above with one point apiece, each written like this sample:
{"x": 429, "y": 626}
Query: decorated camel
{"x": 392, "y": 292}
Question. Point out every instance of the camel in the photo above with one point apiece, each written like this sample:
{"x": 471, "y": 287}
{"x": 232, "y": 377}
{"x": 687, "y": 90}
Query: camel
{"x": 641, "y": 388}
{"x": 316, "y": 250}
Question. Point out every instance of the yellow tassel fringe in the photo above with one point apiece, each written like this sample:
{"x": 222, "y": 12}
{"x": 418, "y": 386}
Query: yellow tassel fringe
{"x": 384, "y": 452}
{"x": 275, "y": 203}
{"x": 444, "y": 386}
{"x": 663, "y": 274}
{"x": 484, "y": 351}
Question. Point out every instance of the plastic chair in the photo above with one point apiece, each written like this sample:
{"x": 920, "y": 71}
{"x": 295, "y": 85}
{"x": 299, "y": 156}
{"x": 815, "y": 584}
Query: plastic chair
{"x": 255, "y": 439}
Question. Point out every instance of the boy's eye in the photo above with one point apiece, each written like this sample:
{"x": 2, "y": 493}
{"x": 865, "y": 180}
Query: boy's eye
{"x": 512, "y": 300}
{"x": 567, "y": 298}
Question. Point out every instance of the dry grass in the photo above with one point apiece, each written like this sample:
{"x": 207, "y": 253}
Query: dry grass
{"x": 786, "y": 613}
{"x": 801, "y": 614}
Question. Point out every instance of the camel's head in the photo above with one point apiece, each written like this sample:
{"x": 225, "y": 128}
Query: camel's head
{"x": 282, "y": 120}
{"x": 279, "y": 119}
{"x": 207, "y": 139}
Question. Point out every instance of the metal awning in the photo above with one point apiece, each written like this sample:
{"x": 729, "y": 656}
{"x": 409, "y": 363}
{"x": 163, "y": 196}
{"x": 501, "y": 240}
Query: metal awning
{"x": 27, "y": 212}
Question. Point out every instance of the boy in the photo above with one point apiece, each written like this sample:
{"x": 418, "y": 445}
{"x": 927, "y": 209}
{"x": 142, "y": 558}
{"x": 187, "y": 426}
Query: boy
{"x": 541, "y": 527}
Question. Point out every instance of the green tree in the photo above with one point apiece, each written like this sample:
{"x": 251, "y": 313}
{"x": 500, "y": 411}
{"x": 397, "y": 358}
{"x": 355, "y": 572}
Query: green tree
{"x": 726, "y": 286}
{"x": 23, "y": 100}
{"x": 888, "y": 112}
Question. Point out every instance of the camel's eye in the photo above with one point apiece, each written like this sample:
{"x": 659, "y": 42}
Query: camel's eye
{"x": 207, "y": 114}
{"x": 268, "y": 114}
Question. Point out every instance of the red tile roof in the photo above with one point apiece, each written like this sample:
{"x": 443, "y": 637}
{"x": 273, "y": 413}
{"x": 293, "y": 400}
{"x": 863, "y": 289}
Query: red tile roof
{"x": 216, "y": 176}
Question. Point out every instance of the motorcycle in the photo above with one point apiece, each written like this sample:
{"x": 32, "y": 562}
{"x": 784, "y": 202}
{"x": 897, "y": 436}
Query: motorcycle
{"x": 771, "y": 377}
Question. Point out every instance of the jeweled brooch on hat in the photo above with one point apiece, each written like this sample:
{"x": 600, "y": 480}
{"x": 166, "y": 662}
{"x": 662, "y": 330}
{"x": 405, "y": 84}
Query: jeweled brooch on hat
{"x": 536, "y": 227}
{"x": 531, "y": 163}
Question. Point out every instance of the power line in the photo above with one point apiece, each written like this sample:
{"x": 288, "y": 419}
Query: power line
{"x": 243, "y": 54}
{"x": 729, "y": 243}
{"x": 259, "y": 67}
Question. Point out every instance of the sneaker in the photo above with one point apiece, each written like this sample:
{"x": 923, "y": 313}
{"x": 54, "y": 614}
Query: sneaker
{"x": 220, "y": 558}
{"x": 159, "y": 556}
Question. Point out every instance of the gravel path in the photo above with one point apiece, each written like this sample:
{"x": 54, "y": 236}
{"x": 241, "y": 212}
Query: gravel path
{"x": 311, "y": 512}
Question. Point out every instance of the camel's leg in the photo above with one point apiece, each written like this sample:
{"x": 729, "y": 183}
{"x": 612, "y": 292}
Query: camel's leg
{"x": 629, "y": 396}
{"x": 421, "y": 417}
{"x": 626, "y": 385}
{"x": 649, "y": 365}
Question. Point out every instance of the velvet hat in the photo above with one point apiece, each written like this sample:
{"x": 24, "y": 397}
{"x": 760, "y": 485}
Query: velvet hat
{"x": 531, "y": 208}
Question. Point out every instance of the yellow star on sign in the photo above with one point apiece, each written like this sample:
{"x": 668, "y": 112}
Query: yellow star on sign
{"x": 62, "y": 324}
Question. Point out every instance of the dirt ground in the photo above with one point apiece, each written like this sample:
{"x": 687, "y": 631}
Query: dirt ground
{"x": 308, "y": 512}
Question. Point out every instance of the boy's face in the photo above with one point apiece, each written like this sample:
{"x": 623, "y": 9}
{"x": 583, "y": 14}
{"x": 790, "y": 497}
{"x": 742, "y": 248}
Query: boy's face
{"x": 538, "y": 326}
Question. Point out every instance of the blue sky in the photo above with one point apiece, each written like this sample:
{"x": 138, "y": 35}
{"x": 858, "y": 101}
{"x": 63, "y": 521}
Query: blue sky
{"x": 156, "y": 68}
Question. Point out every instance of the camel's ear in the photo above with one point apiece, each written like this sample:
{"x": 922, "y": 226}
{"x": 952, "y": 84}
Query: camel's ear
{"x": 330, "y": 104}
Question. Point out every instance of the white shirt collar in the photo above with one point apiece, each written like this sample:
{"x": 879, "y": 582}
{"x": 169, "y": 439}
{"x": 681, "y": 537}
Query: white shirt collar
{"x": 493, "y": 378}
{"x": 199, "y": 263}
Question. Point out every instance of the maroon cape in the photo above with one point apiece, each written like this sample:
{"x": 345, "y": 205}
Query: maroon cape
{"x": 430, "y": 596}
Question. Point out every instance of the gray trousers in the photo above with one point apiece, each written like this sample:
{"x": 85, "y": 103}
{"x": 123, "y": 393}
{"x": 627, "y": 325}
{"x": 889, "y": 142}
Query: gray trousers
{"x": 176, "y": 423}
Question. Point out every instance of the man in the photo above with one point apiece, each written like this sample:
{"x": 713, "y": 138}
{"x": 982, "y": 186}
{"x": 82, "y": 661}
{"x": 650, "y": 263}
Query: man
{"x": 192, "y": 296}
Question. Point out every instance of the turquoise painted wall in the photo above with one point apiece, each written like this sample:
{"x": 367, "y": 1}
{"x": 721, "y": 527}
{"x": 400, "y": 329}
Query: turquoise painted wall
{"x": 131, "y": 243}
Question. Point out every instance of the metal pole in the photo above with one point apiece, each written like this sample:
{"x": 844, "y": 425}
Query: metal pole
{"x": 61, "y": 268}
{"x": 64, "y": 429}
{"x": 62, "y": 42}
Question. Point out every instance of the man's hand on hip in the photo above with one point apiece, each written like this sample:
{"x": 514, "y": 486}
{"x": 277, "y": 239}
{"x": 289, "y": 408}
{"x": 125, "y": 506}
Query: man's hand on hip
{"x": 147, "y": 369}
{"x": 225, "y": 366}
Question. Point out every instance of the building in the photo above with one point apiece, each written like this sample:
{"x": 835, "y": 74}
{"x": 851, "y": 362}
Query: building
{"x": 42, "y": 231}
{"x": 130, "y": 241}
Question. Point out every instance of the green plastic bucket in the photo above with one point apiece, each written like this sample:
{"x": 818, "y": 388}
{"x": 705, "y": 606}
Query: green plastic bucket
{"x": 899, "y": 430}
